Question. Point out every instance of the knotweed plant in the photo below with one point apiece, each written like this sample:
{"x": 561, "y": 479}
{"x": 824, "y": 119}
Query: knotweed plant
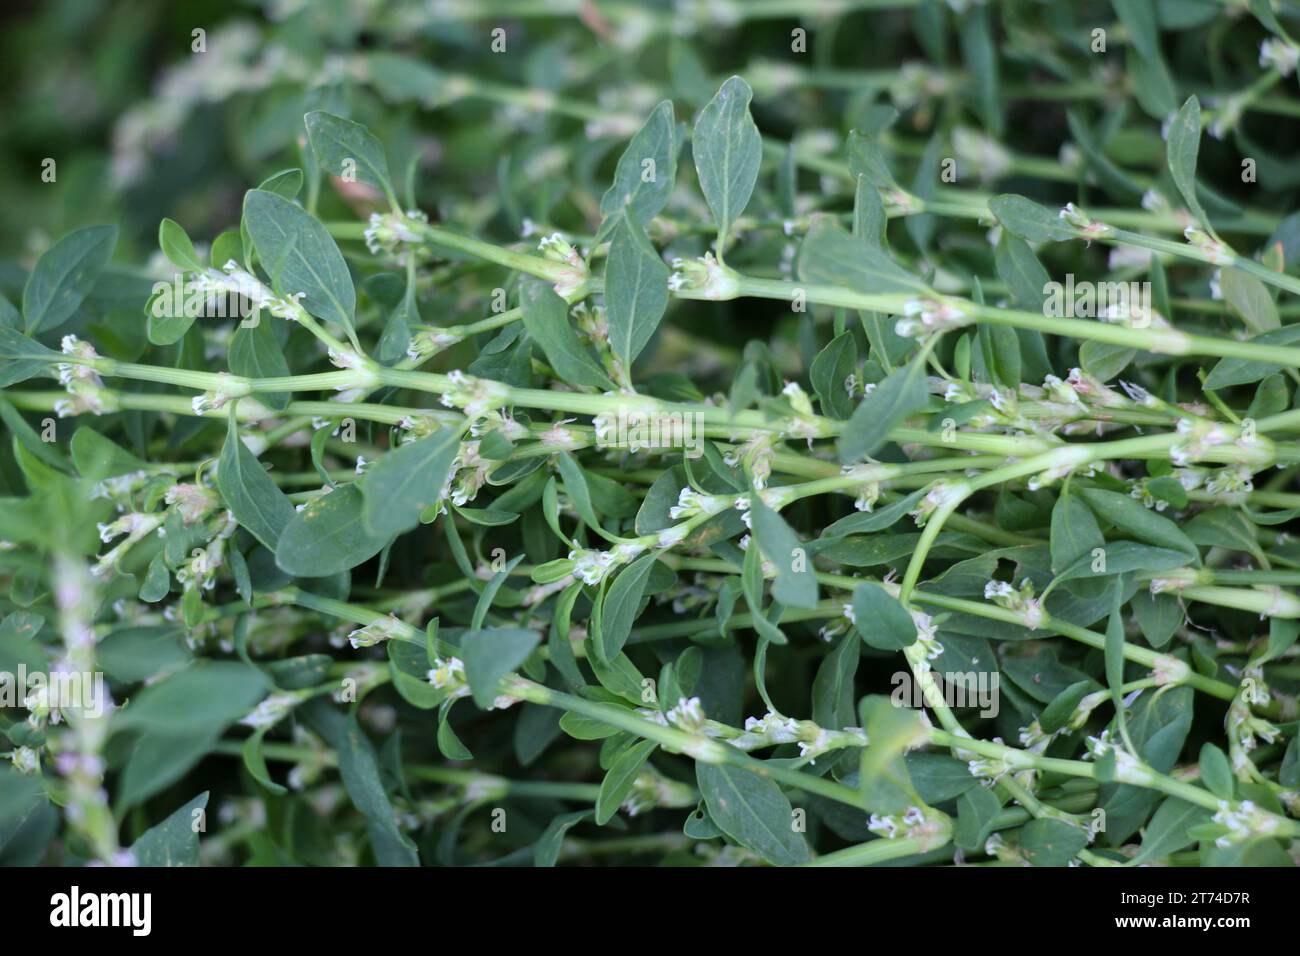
{"x": 568, "y": 451}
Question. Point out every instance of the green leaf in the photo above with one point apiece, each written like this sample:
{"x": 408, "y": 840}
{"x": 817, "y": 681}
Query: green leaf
{"x": 620, "y": 779}
{"x": 636, "y": 290}
{"x": 64, "y": 275}
{"x": 832, "y": 687}
{"x": 1250, "y": 299}
{"x": 1140, "y": 522}
{"x": 255, "y": 762}
{"x": 489, "y": 592}
{"x": 880, "y": 620}
{"x": 1158, "y": 616}
{"x": 977, "y": 810}
{"x": 727, "y": 149}
{"x": 300, "y": 257}
{"x": 22, "y": 357}
{"x": 490, "y": 654}
{"x": 1027, "y": 219}
{"x": 903, "y": 392}
{"x": 167, "y": 320}
{"x": 157, "y": 582}
{"x": 1182, "y": 145}
{"x": 981, "y": 58}
{"x": 831, "y": 256}
{"x": 1048, "y": 842}
{"x": 1113, "y": 656}
{"x": 286, "y": 183}
{"x": 1074, "y": 532}
{"x": 255, "y": 352}
{"x": 1233, "y": 371}
{"x": 891, "y": 731}
{"x": 646, "y": 172}
{"x": 328, "y": 536}
{"x": 1216, "y": 772}
{"x": 575, "y": 483}
{"x": 10, "y": 317}
{"x": 1123, "y": 557}
{"x": 546, "y": 317}
{"x": 796, "y": 580}
{"x": 176, "y": 246}
{"x": 622, "y": 602}
{"x": 252, "y": 496}
{"x": 350, "y": 151}
{"x": 97, "y": 457}
{"x": 547, "y": 848}
{"x": 203, "y": 696}
{"x": 1168, "y": 830}
{"x": 830, "y": 370}
{"x": 867, "y": 162}
{"x": 406, "y": 481}
{"x": 359, "y": 769}
{"x": 175, "y": 841}
{"x": 753, "y": 811}
{"x": 1024, "y": 275}
{"x": 864, "y": 522}
{"x": 1105, "y": 360}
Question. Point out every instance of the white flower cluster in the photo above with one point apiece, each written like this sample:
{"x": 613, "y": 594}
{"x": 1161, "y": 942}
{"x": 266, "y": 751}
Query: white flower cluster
{"x": 377, "y": 631}
{"x": 1140, "y": 492}
{"x": 235, "y": 280}
{"x": 217, "y": 398}
{"x": 270, "y": 711}
{"x": 591, "y": 566}
{"x": 1105, "y": 743}
{"x": 925, "y": 316}
{"x": 476, "y": 397}
{"x": 1277, "y": 54}
{"x": 940, "y": 494}
{"x": 1020, "y": 600}
{"x": 892, "y": 826}
{"x": 1215, "y": 250}
{"x": 129, "y": 523}
{"x": 560, "y": 437}
{"x": 692, "y": 504}
{"x": 558, "y": 249}
{"x": 1198, "y": 437}
{"x": 25, "y": 760}
{"x": 136, "y": 526}
{"x": 672, "y": 536}
{"x": 1231, "y": 485}
{"x": 1245, "y": 821}
{"x": 1089, "y": 227}
{"x": 83, "y": 384}
{"x": 192, "y": 502}
{"x": 389, "y": 231}
{"x": 200, "y": 572}
{"x": 990, "y": 770}
{"x": 449, "y": 674}
{"x": 429, "y": 342}
{"x": 772, "y": 729}
{"x": 754, "y": 457}
{"x": 705, "y": 277}
{"x": 980, "y": 154}
{"x": 687, "y": 714}
{"x": 652, "y": 789}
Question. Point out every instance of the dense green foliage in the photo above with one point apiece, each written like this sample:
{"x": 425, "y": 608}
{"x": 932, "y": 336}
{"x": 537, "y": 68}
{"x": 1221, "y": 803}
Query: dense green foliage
{"x": 693, "y": 433}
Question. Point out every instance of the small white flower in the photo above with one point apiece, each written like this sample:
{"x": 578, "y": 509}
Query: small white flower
{"x": 270, "y": 710}
{"x": 673, "y": 536}
{"x": 687, "y": 714}
{"x": 25, "y": 760}
{"x": 1276, "y": 53}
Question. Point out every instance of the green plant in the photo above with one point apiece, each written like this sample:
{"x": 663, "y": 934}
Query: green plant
{"x": 525, "y": 510}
